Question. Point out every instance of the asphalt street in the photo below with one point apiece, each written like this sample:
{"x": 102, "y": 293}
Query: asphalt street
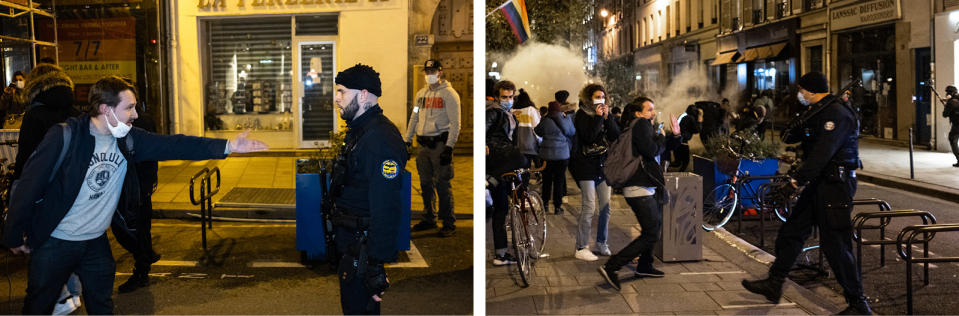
{"x": 254, "y": 268}
{"x": 885, "y": 285}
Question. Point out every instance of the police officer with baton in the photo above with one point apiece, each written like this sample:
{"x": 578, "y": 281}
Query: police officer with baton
{"x": 828, "y": 130}
{"x": 365, "y": 189}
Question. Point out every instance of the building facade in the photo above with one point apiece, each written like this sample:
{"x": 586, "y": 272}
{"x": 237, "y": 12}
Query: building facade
{"x": 748, "y": 47}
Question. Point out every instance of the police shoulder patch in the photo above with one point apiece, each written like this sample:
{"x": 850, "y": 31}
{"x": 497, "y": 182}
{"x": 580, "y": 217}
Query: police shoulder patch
{"x": 389, "y": 169}
{"x": 829, "y": 126}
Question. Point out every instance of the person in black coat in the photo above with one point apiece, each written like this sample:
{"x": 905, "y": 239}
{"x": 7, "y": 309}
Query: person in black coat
{"x": 689, "y": 123}
{"x": 595, "y": 130}
{"x": 502, "y": 156}
{"x": 644, "y": 191}
{"x": 49, "y": 91}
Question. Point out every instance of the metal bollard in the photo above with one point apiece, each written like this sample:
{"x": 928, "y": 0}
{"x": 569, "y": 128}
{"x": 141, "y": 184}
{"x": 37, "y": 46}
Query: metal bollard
{"x": 912, "y": 169}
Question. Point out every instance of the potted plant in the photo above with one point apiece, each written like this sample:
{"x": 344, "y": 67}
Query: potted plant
{"x": 743, "y": 151}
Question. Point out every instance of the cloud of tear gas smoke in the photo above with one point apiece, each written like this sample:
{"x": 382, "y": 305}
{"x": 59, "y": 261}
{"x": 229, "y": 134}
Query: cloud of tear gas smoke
{"x": 542, "y": 69}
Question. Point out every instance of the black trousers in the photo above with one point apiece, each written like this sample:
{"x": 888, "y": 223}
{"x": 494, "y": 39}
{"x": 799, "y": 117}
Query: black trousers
{"x": 681, "y": 156}
{"x": 818, "y": 206}
{"x": 650, "y": 217}
{"x": 51, "y": 265}
{"x": 953, "y": 138}
{"x": 554, "y": 182}
{"x": 355, "y": 298}
{"x": 140, "y": 245}
{"x": 500, "y": 195}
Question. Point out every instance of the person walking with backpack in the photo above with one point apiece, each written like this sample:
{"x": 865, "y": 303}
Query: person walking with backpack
{"x": 644, "y": 191}
{"x": 557, "y": 131}
{"x": 595, "y": 128}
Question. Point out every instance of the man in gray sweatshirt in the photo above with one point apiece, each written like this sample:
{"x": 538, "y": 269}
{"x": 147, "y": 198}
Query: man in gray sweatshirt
{"x": 436, "y": 123}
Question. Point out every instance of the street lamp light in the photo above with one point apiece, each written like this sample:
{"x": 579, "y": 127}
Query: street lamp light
{"x": 604, "y": 13}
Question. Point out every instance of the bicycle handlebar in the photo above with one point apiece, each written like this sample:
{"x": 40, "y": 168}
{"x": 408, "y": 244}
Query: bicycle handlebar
{"x": 519, "y": 171}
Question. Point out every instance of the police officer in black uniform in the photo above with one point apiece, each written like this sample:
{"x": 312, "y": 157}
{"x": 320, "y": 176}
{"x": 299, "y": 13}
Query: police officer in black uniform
{"x": 366, "y": 191}
{"x": 828, "y": 130}
{"x": 951, "y": 111}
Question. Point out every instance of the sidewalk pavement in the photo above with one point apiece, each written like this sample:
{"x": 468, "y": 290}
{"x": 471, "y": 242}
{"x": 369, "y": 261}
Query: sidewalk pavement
{"x": 565, "y": 285}
{"x": 888, "y": 165}
{"x": 172, "y": 197}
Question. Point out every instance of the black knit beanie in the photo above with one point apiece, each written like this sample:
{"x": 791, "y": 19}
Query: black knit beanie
{"x": 814, "y": 82}
{"x": 360, "y": 77}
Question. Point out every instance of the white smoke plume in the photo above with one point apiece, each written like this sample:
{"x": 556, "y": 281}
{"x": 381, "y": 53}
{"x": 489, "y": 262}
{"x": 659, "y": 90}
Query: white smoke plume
{"x": 542, "y": 69}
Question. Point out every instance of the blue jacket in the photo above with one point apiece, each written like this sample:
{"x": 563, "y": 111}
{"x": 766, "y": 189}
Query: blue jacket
{"x": 55, "y": 199}
{"x": 557, "y": 131}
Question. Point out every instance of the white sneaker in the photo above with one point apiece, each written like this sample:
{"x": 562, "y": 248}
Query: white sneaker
{"x": 66, "y": 306}
{"x": 603, "y": 249}
{"x": 586, "y": 255}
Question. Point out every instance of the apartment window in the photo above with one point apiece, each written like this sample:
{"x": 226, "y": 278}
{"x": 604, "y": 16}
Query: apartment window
{"x": 813, "y": 4}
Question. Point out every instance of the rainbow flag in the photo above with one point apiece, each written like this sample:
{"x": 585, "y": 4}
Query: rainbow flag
{"x": 515, "y": 13}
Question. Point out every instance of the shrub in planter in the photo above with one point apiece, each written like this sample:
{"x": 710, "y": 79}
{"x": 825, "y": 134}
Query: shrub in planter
{"x": 743, "y": 151}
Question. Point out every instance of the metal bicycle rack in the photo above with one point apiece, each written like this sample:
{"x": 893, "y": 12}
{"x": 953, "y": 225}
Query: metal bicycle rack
{"x": 207, "y": 191}
{"x": 904, "y": 242}
{"x": 885, "y": 217}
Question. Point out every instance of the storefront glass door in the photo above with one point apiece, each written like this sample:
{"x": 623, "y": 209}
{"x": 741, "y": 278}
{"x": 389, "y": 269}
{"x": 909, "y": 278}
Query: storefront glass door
{"x": 314, "y": 89}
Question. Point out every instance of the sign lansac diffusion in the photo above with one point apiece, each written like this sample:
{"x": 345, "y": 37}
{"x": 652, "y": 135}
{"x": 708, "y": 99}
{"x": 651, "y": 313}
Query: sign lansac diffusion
{"x": 221, "y": 4}
{"x": 865, "y": 13}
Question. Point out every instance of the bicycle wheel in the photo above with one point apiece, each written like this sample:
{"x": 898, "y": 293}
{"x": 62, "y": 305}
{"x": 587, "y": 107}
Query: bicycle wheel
{"x": 773, "y": 198}
{"x": 718, "y": 206}
{"x": 537, "y": 223}
{"x": 520, "y": 245}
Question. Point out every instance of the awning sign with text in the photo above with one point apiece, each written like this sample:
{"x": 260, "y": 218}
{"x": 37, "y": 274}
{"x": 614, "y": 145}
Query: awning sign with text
{"x": 865, "y": 13}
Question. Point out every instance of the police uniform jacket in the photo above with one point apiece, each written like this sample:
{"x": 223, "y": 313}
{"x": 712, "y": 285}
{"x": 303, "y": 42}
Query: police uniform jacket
{"x": 372, "y": 185}
{"x": 829, "y": 139}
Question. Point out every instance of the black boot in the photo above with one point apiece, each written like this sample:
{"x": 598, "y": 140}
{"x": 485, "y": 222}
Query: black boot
{"x": 857, "y": 307}
{"x": 136, "y": 281}
{"x": 771, "y": 287}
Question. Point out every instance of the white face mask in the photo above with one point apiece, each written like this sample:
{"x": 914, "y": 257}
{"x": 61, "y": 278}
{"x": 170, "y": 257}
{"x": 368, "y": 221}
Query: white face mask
{"x": 432, "y": 79}
{"x": 802, "y": 100}
{"x": 19, "y": 84}
{"x": 599, "y": 101}
{"x": 121, "y": 129}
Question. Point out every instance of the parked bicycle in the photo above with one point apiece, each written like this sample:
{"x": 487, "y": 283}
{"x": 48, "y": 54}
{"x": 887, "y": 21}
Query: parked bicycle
{"x": 526, "y": 221}
{"x": 726, "y": 199}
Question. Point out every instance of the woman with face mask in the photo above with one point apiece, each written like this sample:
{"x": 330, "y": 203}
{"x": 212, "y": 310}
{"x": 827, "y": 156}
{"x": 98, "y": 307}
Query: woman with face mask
{"x": 595, "y": 130}
{"x": 10, "y": 102}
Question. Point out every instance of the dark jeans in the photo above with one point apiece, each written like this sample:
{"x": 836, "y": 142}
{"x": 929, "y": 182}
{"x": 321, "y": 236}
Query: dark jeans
{"x": 554, "y": 182}
{"x": 52, "y": 264}
{"x": 650, "y": 217}
{"x": 139, "y": 245}
{"x": 835, "y": 228}
{"x": 681, "y": 156}
{"x": 500, "y": 195}
{"x": 953, "y": 138}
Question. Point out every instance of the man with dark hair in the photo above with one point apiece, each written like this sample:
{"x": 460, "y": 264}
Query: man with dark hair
{"x": 951, "y": 111}
{"x": 502, "y": 156}
{"x": 436, "y": 123}
{"x": 77, "y": 182}
{"x": 829, "y": 136}
{"x": 365, "y": 194}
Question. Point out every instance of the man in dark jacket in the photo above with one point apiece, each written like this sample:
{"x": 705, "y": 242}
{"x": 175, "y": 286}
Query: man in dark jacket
{"x": 501, "y": 156}
{"x": 49, "y": 91}
{"x": 62, "y": 222}
{"x": 690, "y": 123}
{"x": 140, "y": 245}
{"x": 829, "y": 136}
{"x": 951, "y": 111}
{"x": 366, "y": 195}
{"x": 643, "y": 191}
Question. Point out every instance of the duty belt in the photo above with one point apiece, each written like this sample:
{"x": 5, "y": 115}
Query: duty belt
{"x": 430, "y": 141}
{"x": 341, "y": 219}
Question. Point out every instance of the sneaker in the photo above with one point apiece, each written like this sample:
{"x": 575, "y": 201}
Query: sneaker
{"x": 610, "y": 277}
{"x": 448, "y": 231}
{"x": 424, "y": 225}
{"x": 504, "y": 260}
{"x": 649, "y": 272}
{"x": 135, "y": 282}
{"x": 603, "y": 249}
{"x": 586, "y": 255}
{"x": 66, "y": 306}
